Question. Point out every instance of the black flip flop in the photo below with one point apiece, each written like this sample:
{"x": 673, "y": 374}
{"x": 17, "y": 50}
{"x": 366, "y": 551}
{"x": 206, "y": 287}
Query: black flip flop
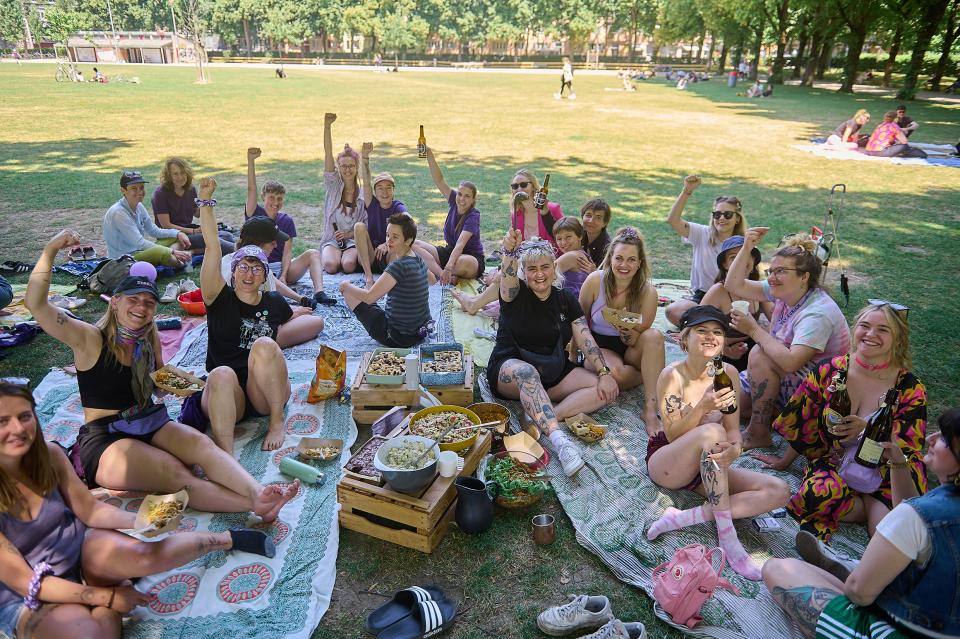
{"x": 428, "y": 619}
{"x": 400, "y": 607}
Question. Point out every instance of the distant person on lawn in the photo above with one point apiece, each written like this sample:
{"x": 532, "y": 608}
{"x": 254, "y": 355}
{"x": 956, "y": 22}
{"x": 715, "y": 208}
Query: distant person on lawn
{"x": 907, "y": 124}
{"x": 846, "y": 135}
{"x": 888, "y": 140}
{"x": 127, "y": 222}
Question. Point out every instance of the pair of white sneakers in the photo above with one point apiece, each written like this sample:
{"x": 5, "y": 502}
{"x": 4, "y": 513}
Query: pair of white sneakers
{"x": 585, "y": 612}
{"x": 174, "y": 289}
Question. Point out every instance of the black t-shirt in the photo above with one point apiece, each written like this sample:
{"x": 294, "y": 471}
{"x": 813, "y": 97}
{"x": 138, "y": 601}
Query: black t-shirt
{"x": 904, "y": 122}
{"x": 233, "y": 326}
{"x": 597, "y": 249}
{"x": 532, "y": 323}
{"x": 854, "y": 127}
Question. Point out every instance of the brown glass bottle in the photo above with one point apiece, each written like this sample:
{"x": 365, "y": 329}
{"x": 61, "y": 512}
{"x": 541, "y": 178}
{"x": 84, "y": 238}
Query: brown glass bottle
{"x": 878, "y": 430}
{"x": 340, "y": 243}
{"x": 422, "y": 144}
{"x": 540, "y": 197}
{"x": 720, "y": 381}
{"x": 839, "y": 406}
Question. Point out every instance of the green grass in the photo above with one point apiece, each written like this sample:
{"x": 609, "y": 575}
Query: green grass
{"x": 62, "y": 147}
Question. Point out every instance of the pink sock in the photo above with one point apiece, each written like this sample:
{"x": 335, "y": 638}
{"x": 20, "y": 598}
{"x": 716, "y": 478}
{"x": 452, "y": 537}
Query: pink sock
{"x": 738, "y": 558}
{"x": 673, "y": 519}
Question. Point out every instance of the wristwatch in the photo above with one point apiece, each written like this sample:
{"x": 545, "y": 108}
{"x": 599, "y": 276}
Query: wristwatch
{"x": 604, "y": 370}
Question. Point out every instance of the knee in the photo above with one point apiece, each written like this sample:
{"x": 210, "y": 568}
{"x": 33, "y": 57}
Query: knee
{"x": 779, "y": 491}
{"x": 359, "y": 227}
{"x": 773, "y": 568}
{"x": 652, "y": 337}
{"x": 710, "y": 434}
{"x": 524, "y": 371}
{"x": 757, "y": 359}
{"x": 222, "y": 377}
{"x": 265, "y": 347}
{"x": 620, "y": 372}
{"x": 312, "y": 254}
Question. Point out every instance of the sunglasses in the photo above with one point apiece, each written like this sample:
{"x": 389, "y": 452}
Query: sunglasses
{"x": 899, "y": 309}
{"x": 247, "y": 268}
{"x": 724, "y": 214}
{"x": 519, "y": 185}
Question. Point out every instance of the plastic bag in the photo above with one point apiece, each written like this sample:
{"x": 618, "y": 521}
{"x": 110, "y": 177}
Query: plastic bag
{"x": 331, "y": 372}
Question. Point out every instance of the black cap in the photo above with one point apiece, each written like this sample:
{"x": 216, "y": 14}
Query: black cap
{"x": 260, "y": 229}
{"x": 131, "y": 177}
{"x": 136, "y": 284}
{"x": 703, "y": 314}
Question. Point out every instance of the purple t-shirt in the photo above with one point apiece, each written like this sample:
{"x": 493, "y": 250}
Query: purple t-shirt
{"x": 474, "y": 246}
{"x": 180, "y": 208}
{"x": 286, "y": 224}
{"x": 377, "y": 217}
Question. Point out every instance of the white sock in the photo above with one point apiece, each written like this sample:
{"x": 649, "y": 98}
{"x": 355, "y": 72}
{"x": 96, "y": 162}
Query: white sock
{"x": 559, "y": 438}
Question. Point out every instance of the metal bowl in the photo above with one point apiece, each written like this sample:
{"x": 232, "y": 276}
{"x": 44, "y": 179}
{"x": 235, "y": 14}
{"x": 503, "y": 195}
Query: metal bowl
{"x": 406, "y": 481}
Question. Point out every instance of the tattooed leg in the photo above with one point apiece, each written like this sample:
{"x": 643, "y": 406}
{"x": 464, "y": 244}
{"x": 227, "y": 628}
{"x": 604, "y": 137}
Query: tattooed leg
{"x": 804, "y": 605}
{"x": 523, "y": 380}
{"x": 718, "y": 497}
{"x": 764, "y": 388}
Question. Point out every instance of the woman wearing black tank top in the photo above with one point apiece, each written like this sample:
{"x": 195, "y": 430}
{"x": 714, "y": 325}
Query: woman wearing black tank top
{"x": 125, "y": 341}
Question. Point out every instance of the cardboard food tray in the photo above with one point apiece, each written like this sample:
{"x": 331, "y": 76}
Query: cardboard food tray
{"x": 586, "y": 436}
{"x": 316, "y": 442}
{"x": 386, "y": 379}
{"x": 147, "y": 529}
{"x": 179, "y": 372}
{"x": 621, "y": 319}
{"x": 441, "y": 379}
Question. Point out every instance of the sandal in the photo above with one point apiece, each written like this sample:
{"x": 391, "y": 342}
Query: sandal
{"x": 400, "y": 607}
{"x": 12, "y": 266}
{"x": 89, "y": 252}
{"x": 429, "y": 618}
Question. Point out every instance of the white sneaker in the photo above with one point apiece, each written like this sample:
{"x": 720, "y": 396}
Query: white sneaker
{"x": 570, "y": 459}
{"x": 170, "y": 293}
{"x": 813, "y": 551}
{"x": 188, "y": 286}
{"x": 616, "y": 629}
{"x": 583, "y": 612}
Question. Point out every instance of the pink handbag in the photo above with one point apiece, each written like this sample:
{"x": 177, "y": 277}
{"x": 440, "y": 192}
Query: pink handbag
{"x": 682, "y": 585}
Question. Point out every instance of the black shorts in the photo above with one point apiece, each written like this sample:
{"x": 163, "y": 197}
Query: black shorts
{"x": 94, "y": 438}
{"x": 697, "y": 296}
{"x": 379, "y": 264}
{"x": 493, "y": 374}
{"x": 444, "y": 253}
{"x": 374, "y": 319}
{"x": 191, "y": 410}
{"x": 611, "y": 343}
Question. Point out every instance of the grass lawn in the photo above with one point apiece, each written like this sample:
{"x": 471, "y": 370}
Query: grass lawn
{"x": 62, "y": 147}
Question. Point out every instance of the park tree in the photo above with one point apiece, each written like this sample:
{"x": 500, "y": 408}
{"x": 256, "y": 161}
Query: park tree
{"x": 777, "y": 14}
{"x": 402, "y": 32}
{"x": 236, "y": 19}
{"x": 636, "y": 17}
{"x": 13, "y": 20}
{"x": 948, "y": 37}
{"x": 929, "y": 15}
{"x": 681, "y": 20}
{"x": 357, "y": 19}
{"x": 859, "y": 16}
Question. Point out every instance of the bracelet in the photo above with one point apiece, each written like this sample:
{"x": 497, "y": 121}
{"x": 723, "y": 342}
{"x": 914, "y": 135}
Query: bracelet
{"x": 40, "y": 571}
{"x": 514, "y": 253}
{"x": 199, "y": 202}
{"x": 688, "y": 192}
{"x": 113, "y": 593}
{"x": 902, "y": 464}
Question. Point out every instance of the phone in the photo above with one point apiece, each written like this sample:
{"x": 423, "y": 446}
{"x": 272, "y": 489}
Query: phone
{"x": 779, "y": 513}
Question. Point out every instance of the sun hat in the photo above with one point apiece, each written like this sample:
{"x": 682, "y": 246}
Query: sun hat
{"x": 736, "y": 241}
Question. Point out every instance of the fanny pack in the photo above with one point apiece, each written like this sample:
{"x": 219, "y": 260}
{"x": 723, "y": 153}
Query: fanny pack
{"x": 856, "y": 476}
{"x": 140, "y": 420}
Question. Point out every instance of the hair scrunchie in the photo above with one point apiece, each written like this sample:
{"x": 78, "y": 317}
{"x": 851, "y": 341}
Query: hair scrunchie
{"x": 40, "y": 571}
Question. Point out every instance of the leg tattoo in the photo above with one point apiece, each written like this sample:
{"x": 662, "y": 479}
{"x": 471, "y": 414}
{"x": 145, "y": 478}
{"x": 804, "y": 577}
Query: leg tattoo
{"x": 804, "y": 604}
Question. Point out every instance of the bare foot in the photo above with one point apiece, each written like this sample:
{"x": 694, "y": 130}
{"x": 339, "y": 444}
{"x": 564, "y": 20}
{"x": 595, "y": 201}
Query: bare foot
{"x": 272, "y": 499}
{"x": 274, "y": 437}
{"x": 652, "y": 421}
{"x": 752, "y": 440}
{"x": 368, "y": 280}
{"x": 467, "y": 302}
{"x": 772, "y": 462}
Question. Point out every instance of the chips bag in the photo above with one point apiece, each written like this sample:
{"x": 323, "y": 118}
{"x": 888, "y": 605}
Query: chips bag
{"x": 330, "y": 374}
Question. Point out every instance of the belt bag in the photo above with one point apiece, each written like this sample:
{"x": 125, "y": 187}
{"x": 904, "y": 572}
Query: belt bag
{"x": 140, "y": 421}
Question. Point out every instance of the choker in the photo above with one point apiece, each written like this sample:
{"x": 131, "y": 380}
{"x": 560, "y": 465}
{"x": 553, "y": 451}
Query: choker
{"x": 871, "y": 367}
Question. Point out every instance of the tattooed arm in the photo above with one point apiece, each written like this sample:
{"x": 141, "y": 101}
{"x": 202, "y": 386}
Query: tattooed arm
{"x": 607, "y": 386}
{"x": 677, "y": 417}
{"x": 509, "y": 282}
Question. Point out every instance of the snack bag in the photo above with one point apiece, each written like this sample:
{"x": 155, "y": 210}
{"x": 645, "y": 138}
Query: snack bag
{"x": 330, "y": 374}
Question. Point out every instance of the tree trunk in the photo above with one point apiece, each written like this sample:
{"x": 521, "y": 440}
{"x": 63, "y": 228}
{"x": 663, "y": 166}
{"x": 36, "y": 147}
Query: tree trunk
{"x": 248, "y": 45}
{"x": 855, "y": 42}
{"x": 755, "y": 70}
{"x": 634, "y": 19}
{"x": 949, "y": 37}
{"x": 713, "y": 46}
{"x": 703, "y": 34}
{"x": 929, "y": 23}
{"x": 826, "y": 56}
{"x": 816, "y": 46}
{"x": 802, "y": 54}
{"x": 894, "y": 52}
{"x": 783, "y": 19}
{"x": 723, "y": 57}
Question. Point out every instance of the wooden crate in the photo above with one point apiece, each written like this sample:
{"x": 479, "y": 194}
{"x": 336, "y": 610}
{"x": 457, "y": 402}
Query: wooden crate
{"x": 371, "y": 401}
{"x": 416, "y": 521}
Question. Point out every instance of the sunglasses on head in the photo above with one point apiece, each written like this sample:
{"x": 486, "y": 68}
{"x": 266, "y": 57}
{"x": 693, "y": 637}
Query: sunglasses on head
{"x": 899, "y": 309}
{"x": 724, "y": 214}
{"x": 519, "y": 185}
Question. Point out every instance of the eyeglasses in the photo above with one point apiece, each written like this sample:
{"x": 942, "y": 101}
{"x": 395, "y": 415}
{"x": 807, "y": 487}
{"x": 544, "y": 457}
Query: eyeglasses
{"x": 780, "y": 270}
{"x": 724, "y": 214}
{"x": 256, "y": 269}
{"x": 899, "y": 309}
{"x": 519, "y": 185}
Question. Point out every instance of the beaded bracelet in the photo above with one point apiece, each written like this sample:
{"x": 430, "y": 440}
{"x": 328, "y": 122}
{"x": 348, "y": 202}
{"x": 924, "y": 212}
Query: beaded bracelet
{"x": 40, "y": 571}
{"x": 199, "y": 202}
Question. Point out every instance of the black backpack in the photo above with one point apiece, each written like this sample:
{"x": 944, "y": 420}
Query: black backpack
{"x": 107, "y": 275}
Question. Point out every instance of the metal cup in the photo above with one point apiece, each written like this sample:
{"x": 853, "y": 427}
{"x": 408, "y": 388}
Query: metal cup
{"x": 544, "y": 530}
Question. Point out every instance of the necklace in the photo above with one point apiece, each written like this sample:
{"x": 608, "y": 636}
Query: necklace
{"x": 871, "y": 367}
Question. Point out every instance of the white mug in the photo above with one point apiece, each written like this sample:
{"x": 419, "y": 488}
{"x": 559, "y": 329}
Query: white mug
{"x": 448, "y": 463}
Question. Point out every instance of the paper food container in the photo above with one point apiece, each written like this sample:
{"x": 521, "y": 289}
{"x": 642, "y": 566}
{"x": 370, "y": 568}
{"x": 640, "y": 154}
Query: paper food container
{"x": 590, "y": 431}
{"x": 310, "y": 443}
{"x": 146, "y": 528}
{"x": 523, "y": 443}
{"x": 619, "y": 318}
{"x": 158, "y": 376}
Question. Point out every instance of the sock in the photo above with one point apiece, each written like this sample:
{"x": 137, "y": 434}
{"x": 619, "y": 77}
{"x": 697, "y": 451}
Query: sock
{"x": 252, "y": 541}
{"x": 738, "y": 558}
{"x": 559, "y": 438}
{"x": 323, "y": 298}
{"x": 674, "y": 519}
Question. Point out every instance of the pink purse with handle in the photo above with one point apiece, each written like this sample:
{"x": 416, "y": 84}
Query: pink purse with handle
{"x": 682, "y": 585}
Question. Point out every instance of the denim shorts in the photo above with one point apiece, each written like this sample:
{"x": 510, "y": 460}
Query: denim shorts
{"x": 9, "y": 617}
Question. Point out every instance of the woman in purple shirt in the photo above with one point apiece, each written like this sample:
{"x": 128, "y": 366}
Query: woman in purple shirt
{"x": 54, "y": 536}
{"x": 173, "y": 206}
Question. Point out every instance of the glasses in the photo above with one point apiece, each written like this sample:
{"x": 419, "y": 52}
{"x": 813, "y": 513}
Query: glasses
{"x": 780, "y": 270}
{"x": 899, "y": 309}
{"x": 519, "y": 185}
{"x": 724, "y": 214}
{"x": 256, "y": 269}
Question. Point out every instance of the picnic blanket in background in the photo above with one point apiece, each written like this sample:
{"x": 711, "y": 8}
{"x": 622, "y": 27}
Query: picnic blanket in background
{"x": 611, "y": 503}
{"x": 239, "y": 594}
{"x": 832, "y": 153}
{"x": 16, "y": 312}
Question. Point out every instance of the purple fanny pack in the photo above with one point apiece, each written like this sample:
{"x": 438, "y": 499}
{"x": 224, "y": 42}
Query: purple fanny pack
{"x": 140, "y": 421}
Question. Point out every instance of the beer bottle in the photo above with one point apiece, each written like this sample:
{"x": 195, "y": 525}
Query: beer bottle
{"x": 839, "y": 406}
{"x": 340, "y": 243}
{"x": 879, "y": 427}
{"x": 422, "y": 144}
{"x": 720, "y": 381}
{"x": 540, "y": 197}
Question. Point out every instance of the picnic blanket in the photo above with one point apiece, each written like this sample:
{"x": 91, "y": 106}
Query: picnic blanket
{"x": 611, "y": 503}
{"x": 239, "y": 595}
{"x": 16, "y": 311}
{"x": 831, "y": 153}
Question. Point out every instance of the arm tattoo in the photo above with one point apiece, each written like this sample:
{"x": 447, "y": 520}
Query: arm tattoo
{"x": 61, "y": 317}
{"x": 510, "y": 270}
{"x": 513, "y": 292}
{"x": 590, "y": 349}
{"x": 674, "y": 404}
{"x": 804, "y": 605}
{"x": 87, "y": 596}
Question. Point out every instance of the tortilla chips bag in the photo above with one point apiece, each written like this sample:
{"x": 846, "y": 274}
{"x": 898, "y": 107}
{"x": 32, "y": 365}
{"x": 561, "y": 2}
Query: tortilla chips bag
{"x": 330, "y": 374}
